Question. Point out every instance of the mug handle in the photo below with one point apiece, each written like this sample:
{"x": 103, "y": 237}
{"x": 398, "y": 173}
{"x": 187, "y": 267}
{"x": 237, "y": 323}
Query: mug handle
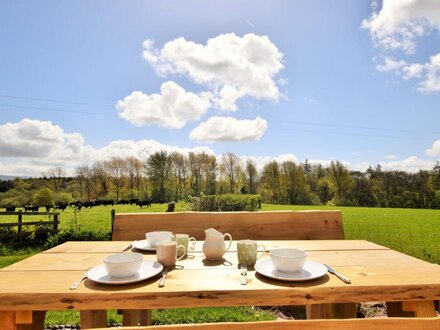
{"x": 173, "y": 238}
{"x": 262, "y": 252}
{"x": 184, "y": 252}
{"x": 193, "y": 247}
{"x": 230, "y": 240}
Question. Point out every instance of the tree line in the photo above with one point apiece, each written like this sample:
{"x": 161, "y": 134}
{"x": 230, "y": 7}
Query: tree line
{"x": 165, "y": 176}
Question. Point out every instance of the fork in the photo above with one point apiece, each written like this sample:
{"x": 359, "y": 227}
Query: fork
{"x": 243, "y": 272}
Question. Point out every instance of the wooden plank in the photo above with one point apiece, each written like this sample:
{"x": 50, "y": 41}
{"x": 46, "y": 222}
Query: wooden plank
{"x": 93, "y": 318}
{"x": 7, "y": 320}
{"x": 306, "y": 225}
{"x": 29, "y": 213}
{"x": 196, "y": 260}
{"x": 331, "y": 311}
{"x": 23, "y": 317}
{"x": 38, "y": 318}
{"x": 350, "y": 324}
{"x": 214, "y": 287}
{"x": 420, "y": 308}
{"x": 307, "y": 245}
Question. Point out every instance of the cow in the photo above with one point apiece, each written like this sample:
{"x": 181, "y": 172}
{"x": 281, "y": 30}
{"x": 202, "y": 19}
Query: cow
{"x": 133, "y": 201}
{"x": 48, "y": 207}
{"x": 146, "y": 203}
{"x": 171, "y": 206}
{"x": 10, "y": 208}
{"x": 33, "y": 208}
{"x": 88, "y": 204}
{"x": 61, "y": 206}
{"x": 123, "y": 202}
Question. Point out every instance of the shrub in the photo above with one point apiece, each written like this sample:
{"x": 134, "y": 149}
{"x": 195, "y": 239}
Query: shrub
{"x": 76, "y": 235}
{"x": 225, "y": 203}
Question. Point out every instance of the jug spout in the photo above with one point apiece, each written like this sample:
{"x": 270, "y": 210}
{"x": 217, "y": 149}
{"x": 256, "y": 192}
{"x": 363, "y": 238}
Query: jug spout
{"x": 213, "y": 232}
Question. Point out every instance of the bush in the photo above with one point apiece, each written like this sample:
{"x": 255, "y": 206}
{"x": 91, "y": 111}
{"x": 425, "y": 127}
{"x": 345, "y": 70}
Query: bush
{"x": 225, "y": 203}
{"x": 73, "y": 234}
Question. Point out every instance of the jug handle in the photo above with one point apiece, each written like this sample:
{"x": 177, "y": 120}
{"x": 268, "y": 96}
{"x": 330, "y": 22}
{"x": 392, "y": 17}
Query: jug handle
{"x": 230, "y": 240}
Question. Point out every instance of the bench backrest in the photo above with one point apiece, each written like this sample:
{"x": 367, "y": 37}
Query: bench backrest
{"x": 271, "y": 225}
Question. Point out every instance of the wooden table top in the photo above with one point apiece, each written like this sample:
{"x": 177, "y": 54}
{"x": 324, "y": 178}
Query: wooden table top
{"x": 42, "y": 281}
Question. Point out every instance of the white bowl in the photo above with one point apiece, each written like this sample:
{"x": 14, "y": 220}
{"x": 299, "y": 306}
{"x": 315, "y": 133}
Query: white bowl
{"x": 123, "y": 264}
{"x": 153, "y": 237}
{"x": 288, "y": 260}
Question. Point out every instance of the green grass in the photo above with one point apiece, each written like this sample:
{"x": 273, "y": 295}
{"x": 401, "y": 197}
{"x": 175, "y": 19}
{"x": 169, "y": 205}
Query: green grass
{"x": 412, "y": 231}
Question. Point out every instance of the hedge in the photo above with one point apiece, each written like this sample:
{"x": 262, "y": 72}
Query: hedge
{"x": 225, "y": 203}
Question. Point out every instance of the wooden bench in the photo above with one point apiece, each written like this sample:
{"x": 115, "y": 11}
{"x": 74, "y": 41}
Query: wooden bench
{"x": 348, "y": 324}
{"x": 273, "y": 225}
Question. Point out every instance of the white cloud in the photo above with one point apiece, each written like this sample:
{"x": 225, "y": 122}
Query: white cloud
{"x": 434, "y": 150}
{"x": 390, "y": 157}
{"x": 400, "y": 22}
{"x": 260, "y": 161}
{"x": 172, "y": 108}
{"x": 249, "y": 64}
{"x": 226, "y": 99}
{"x": 411, "y": 164}
{"x": 30, "y": 147}
{"x": 221, "y": 129}
{"x": 362, "y": 166}
{"x": 390, "y": 65}
{"x": 397, "y": 25}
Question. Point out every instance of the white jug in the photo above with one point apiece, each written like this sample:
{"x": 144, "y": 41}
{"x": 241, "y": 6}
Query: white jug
{"x": 214, "y": 246}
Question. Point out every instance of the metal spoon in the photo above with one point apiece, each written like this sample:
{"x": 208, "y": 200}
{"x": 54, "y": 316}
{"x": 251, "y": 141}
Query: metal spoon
{"x": 163, "y": 278}
{"x": 243, "y": 272}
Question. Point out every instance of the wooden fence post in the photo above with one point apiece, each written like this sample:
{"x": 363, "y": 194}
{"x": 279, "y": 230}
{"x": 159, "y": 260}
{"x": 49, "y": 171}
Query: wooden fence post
{"x": 20, "y": 220}
{"x": 112, "y": 218}
{"x": 55, "y": 223}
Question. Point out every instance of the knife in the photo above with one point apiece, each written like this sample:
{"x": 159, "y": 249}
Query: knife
{"x": 337, "y": 274}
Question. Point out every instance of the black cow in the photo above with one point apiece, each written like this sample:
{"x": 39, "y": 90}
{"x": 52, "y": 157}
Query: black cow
{"x": 48, "y": 207}
{"x": 33, "y": 208}
{"x": 88, "y": 204}
{"x": 61, "y": 206}
{"x": 10, "y": 208}
{"x": 123, "y": 202}
{"x": 133, "y": 201}
{"x": 171, "y": 206}
{"x": 146, "y": 203}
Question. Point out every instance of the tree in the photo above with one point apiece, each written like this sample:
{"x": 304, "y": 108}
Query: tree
{"x": 231, "y": 167}
{"x": 101, "y": 176}
{"x": 43, "y": 197}
{"x": 341, "y": 182}
{"x": 84, "y": 175}
{"x": 271, "y": 181}
{"x": 159, "y": 169}
{"x": 54, "y": 178}
{"x": 209, "y": 173}
{"x": 293, "y": 182}
{"x": 133, "y": 168}
{"x": 116, "y": 168}
{"x": 178, "y": 169}
{"x": 251, "y": 176}
{"x": 195, "y": 163}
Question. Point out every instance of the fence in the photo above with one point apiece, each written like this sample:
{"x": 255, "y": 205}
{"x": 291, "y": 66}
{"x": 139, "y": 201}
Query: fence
{"x": 20, "y": 223}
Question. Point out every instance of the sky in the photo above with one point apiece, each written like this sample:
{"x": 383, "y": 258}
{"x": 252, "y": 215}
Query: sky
{"x": 355, "y": 81}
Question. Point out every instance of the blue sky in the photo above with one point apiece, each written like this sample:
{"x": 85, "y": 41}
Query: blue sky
{"x": 345, "y": 91}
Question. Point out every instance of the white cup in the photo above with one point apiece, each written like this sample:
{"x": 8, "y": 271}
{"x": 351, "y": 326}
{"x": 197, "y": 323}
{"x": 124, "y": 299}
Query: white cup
{"x": 123, "y": 264}
{"x": 153, "y": 237}
{"x": 166, "y": 253}
{"x": 288, "y": 260}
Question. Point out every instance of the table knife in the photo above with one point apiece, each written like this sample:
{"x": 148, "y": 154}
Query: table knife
{"x": 337, "y": 274}
{"x": 128, "y": 247}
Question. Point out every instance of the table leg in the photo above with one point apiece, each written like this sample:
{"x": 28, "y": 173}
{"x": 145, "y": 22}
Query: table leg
{"x": 331, "y": 311}
{"x": 37, "y": 321}
{"x": 411, "y": 309}
{"x": 145, "y": 316}
{"x": 7, "y": 320}
{"x": 93, "y": 319}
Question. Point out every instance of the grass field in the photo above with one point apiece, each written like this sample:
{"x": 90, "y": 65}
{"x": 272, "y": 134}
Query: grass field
{"x": 412, "y": 231}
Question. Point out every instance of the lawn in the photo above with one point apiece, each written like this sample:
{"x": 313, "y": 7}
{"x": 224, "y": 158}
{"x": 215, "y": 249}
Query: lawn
{"x": 412, "y": 231}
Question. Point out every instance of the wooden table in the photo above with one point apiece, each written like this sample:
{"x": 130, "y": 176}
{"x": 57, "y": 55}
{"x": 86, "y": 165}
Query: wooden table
{"x": 41, "y": 282}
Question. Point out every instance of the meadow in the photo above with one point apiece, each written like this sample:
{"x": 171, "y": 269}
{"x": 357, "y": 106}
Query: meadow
{"x": 413, "y": 231}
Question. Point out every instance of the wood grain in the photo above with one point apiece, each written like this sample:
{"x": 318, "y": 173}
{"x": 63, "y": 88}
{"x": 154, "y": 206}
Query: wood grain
{"x": 279, "y": 225}
{"x": 350, "y": 324}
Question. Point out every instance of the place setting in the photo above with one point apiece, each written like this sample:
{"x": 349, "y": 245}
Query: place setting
{"x": 131, "y": 267}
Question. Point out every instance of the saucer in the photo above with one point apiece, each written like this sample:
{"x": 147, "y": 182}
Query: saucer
{"x": 148, "y": 269}
{"x": 143, "y": 245}
{"x": 310, "y": 271}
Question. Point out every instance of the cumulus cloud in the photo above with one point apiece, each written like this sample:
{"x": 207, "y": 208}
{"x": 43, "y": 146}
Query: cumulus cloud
{"x": 30, "y": 147}
{"x": 260, "y": 161}
{"x": 173, "y": 107}
{"x": 396, "y": 26}
{"x": 399, "y": 22}
{"x": 226, "y": 99}
{"x": 390, "y": 65}
{"x": 247, "y": 64}
{"x": 227, "y": 129}
{"x": 434, "y": 150}
{"x": 411, "y": 164}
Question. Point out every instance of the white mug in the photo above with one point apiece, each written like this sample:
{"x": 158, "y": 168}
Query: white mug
{"x": 166, "y": 253}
